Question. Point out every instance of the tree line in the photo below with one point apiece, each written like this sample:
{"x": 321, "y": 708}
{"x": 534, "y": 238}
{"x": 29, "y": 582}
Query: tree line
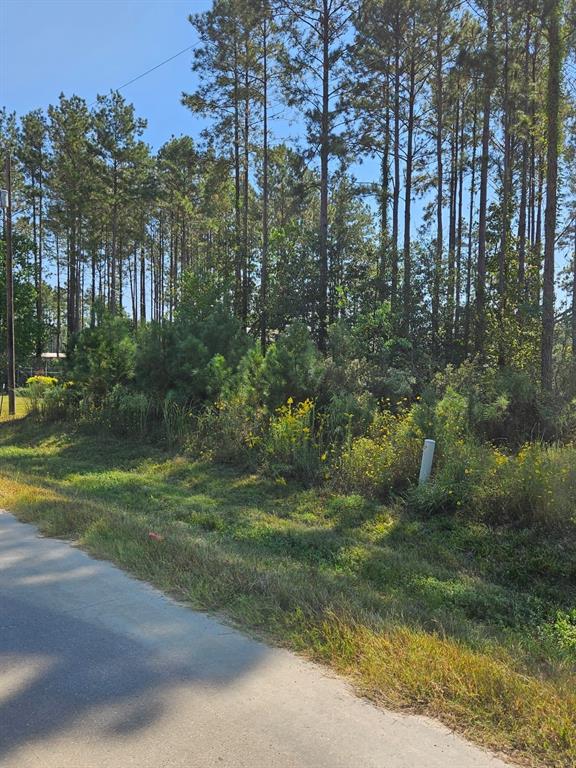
{"x": 466, "y": 110}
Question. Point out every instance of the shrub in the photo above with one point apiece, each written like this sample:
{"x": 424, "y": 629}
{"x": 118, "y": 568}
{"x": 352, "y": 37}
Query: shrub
{"x": 348, "y": 416}
{"x": 292, "y": 446}
{"x": 535, "y": 486}
{"x": 229, "y": 431}
{"x": 176, "y": 420}
{"x": 506, "y": 404}
{"x": 562, "y": 631}
{"x": 386, "y": 459}
{"x": 101, "y": 357}
{"x": 459, "y": 467}
{"x": 292, "y": 368}
{"x": 192, "y": 359}
{"x": 538, "y": 485}
{"x": 59, "y": 402}
{"x": 367, "y": 355}
{"x": 36, "y": 389}
{"x": 246, "y": 385}
{"x": 126, "y": 412}
{"x": 41, "y": 381}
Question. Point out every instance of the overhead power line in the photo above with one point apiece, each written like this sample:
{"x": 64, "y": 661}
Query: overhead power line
{"x": 148, "y": 71}
{"x": 138, "y": 77}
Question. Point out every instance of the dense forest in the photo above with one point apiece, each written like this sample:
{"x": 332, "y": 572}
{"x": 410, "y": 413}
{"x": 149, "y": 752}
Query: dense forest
{"x": 465, "y": 240}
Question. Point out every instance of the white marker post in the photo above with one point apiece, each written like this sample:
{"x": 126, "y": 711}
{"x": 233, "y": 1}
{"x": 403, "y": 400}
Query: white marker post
{"x": 427, "y": 458}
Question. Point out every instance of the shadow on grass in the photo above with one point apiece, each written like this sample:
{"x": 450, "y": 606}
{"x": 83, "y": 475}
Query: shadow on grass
{"x": 467, "y": 579}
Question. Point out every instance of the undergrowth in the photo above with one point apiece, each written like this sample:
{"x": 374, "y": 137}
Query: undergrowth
{"x": 466, "y": 617}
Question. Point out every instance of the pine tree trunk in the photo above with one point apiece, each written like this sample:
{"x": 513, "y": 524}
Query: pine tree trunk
{"x": 324, "y": 149}
{"x": 264, "y": 269}
{"x": 467, "y": 320}
{"x": 384, "y": 198}
{"x": 522, "y": 212}
{"x": 506, "y": 194}
{"x": 459, "y": 227}
{"x": 114, "y": 235}
{"x": 483, "y": 206}
{"x": 93, "y": 290}
{"x": 396, "y": 197}
{"x": 39, "y": 266}
{"x": 245, "y": 203}
{"x": 237, "y": 243}
{"x": 574, "y": 303}
{"x": 407, "y": 285}
{"x": 538, "y": 236}
{"x": 439, "y": 186}
{"x": 142, "y": 286}
{"x": 552, "y": 10}
{"x": 451, "y": 282}
{"x": 71, "y": 288}
{"x": 58, "y": 300}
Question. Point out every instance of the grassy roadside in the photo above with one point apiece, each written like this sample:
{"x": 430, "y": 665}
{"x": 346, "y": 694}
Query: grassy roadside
{"x": 21, "y": 409}
{"x": 443, "y": 616}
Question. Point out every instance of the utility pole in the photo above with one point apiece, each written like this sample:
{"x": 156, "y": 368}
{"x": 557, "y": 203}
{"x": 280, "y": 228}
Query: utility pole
{"x": 10, "y": 354}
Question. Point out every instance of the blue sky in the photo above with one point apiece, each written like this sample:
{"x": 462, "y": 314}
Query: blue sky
{"x": 90, "y": 46}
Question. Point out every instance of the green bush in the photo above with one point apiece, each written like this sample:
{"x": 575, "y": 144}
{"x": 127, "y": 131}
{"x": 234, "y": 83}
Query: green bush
{"x": 230, "y": 431}
{"x": 535, "y": 486}
{"x": 459, "y": 465}
{"x": 562, "y": 631}
{"x": 60, "y": 402}
{"x": 293, "y": 367}
{"x": 191, "y": 360}
{"x": 292, "y": 446}
{"x": 367, "y": 356}
{"x": 385, "y": 460}
{"x": 36, "y": 389}
{"x": 126, "y": 412}
{"x": 176, "y": 421}
{"x": 506, "y": 404}
{"x": 102, "y": 357}
{"x": 348, "y": 415}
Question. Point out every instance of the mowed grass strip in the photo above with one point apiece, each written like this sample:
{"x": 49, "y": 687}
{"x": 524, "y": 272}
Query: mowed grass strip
{"x": 436, "y": 616}
{"x": 21, "y": 408}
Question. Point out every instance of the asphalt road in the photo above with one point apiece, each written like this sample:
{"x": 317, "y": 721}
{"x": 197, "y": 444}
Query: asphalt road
{"x": 98, "y": 670}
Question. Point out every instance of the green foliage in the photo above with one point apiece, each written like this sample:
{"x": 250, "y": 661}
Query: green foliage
{"x": 36, "y": 389}
{"x": 292, "y": 446}
{"x": 192, "y": 359}
{"x": 230, "y": 431}
{"x": 535, "y": 486}
{"x": 384, "y": 460}
{"x": 348, "y": 415}
{"x": 202, "y": 359}
{"x": 367, "y": 354}
{"x": 506, "y": 404}
{"x": 101, "y": 357}
{"x": 60, "y": 402}
{"x": 26, "y": 329}
{"x": 125, "y": 412}
{"x": 293, "y": 368}
{"x": 562, "y": 630}
{"x": 176, "y": 419}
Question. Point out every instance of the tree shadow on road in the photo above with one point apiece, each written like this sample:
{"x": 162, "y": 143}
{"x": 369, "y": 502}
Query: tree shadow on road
{"x": 77, "y": 655}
